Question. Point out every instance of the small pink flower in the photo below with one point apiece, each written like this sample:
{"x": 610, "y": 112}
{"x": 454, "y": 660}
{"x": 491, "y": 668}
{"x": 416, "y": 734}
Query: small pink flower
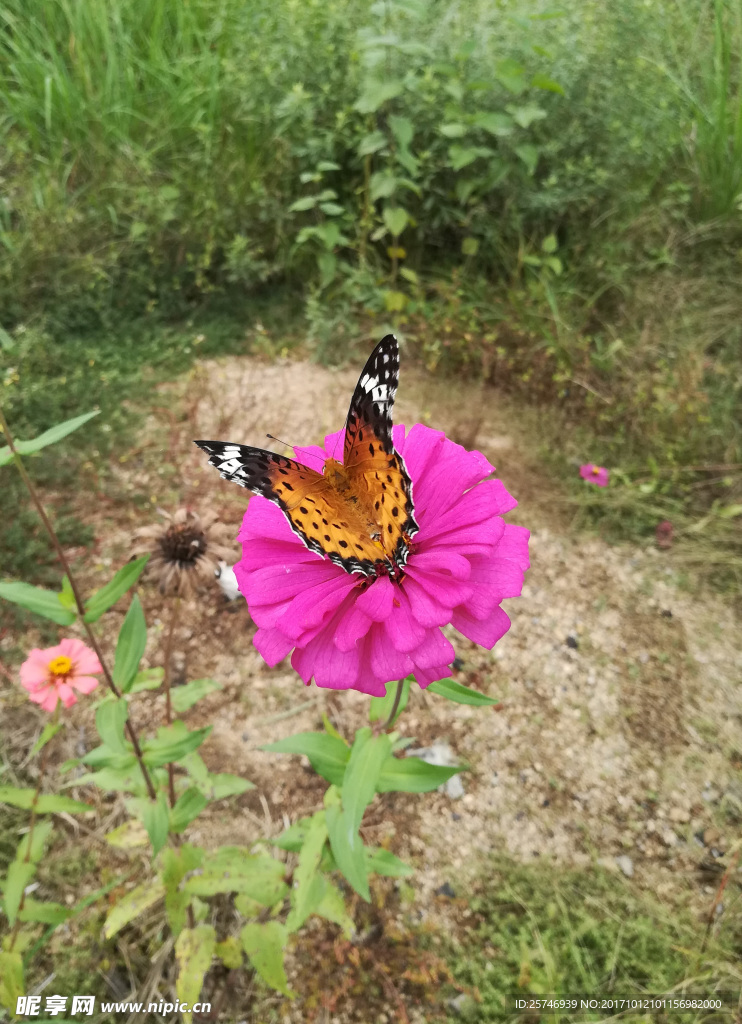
{"x": 357, "y": 632}
{"x": 55, "y": 673}
{"x": 597, "y": 475}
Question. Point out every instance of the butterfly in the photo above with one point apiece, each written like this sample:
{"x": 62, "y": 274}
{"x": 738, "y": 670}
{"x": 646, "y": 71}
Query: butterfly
{"x": 359, "y": 512}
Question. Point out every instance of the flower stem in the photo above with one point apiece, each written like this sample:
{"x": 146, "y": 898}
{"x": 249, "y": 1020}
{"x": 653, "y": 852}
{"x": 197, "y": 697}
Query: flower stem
{"x": 174, "y": 616}
{"x": 76, "y": 593}
{"x": 395, "y": 705}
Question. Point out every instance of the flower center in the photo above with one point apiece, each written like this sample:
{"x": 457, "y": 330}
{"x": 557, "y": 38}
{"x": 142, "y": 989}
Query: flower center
{"x": 596, "y": 470}
{"x": 60, "y": 666}
{"x": 183, "y": 544}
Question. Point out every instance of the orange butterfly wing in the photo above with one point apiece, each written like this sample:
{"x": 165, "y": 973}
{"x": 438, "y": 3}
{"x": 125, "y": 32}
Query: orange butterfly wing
{"x": 359, "y": 514}
{"x": 326, "y": 521}
{"x": 376, "y": 471}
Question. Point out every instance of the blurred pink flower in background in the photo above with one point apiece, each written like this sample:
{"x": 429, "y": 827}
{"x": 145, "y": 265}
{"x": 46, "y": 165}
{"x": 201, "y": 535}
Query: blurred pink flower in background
{"x": 53, "y": 674}
{"x": 349, "y": 631}
{"x": 594, "y": 474}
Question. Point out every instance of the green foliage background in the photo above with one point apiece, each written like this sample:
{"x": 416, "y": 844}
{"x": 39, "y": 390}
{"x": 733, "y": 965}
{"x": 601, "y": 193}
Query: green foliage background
{"x": 545, "y": 194}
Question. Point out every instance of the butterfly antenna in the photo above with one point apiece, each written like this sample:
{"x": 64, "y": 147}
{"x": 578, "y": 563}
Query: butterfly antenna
{"x": 304, "y": 454}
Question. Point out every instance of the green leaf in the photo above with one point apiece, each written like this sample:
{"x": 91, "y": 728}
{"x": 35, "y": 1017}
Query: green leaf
{"x": 6, "y": 341}
{"x": 470, "y": 246}
{"x": 173, "y": 742}
{"x": 229, "y": 951}
{"x": 402, "y": 130}
{"x": 44, "y": 913}
{"x": 380, "y": 707}
{"x": 367, "y": 757}
{"x": 529, "y": 155}
{"x": 304, "y": 897}
{"x": 147, "y": 679}
{"x": 66, "y": 596}
{"x": 305, "y": 203}
{"x": 130, "y": 906}
{"x": 35, "y": 599}
{"x": 542, "y": 82}
{"x": 413, "y": 775}
{"x": 549, "y": 244}
{"x": 332, "y": 907}
{"x": 331, "y": 209}
{"x": 376, "y": 93}
{"x": 327, "y": 754}
{"x": 41, "y": 832}
{"x": 110, "y": 719}
{"x": 104, "y": 757}
{"x": 11, "y": 979}
{"x": 155, "y": 816}
{"x": 175, "y": 865}
{"x": 50, "y": 436}
{"x": 396, "y": 219}
{"x": 327, "y": 165}
{"x": 511, "y": 74}
{"x": 496, "y": 124}
{"x": 382, "y": 184}
{"x": 347, "y": 846}
{"x": 117, "y": 780}
{"x": 130, "y": 647}
{"x": 184, "y": 697}
{"x": 194, "y": 949}
{"x": 525, "y": 116}
{"x": 49, "y": 731}
{"x": 381, "y": 862}
{"x": 130, "y": 836}
{"x": 108, "y": 595}
{"x": 460, "y": 694}
{"x": 372, "y": 143}
{"x": 462, "y": 156}
{"x": 328, "y": 264}
{"x": 222, "y": 785}
{"x": 264, "y": 945}
{"x": 46, "y": 803}
{"x": 188, "y": 806}
{"x": 453, "y": 130}
{"x": 235, "y": 869}
{"x": 19, "y": 875}
{"x": 292, "y": 838}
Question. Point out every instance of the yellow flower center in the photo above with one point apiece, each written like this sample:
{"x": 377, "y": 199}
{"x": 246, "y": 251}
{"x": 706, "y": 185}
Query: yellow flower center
{"x": 596, "y": 470}
{"x": 60, "y": 666}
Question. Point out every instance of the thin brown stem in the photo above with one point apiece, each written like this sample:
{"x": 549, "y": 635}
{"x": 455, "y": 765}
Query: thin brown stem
{"x": 78, "y": 599}
{"x": 174, "y": 616}
{"x": 395, "y": 705}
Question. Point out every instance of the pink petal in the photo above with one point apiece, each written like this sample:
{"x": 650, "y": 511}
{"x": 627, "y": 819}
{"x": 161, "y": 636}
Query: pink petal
{"x": 48, "y": 698}
{"x": 352, "y": 626}
{"x": 514, "y": 545}
{"x": 426, "y": 610}
{"x": 447, "y": 591}
{"x": 442, "y": 561}
{"x": 34, "y": 671}
{"x": 387, "y": 662}
{"x": 66, "y": 694}
{"x": 485, "y": 632}
{"x": 272, "y": 645}
{"x": 403, "y": 629}
{"x": 434, "y": 650}
{"x": 310, "y": 609}
{"x": 376, "y": 600}
{"x": 425, "y": 676}
{"x": 311, "y": 456}
{"x": 330, "y": 667}
{"x": 260, "y": 553}
{"x": 84, "y": 661}
{"x": 334, "y": 444}
{"x": 85, "y": 684}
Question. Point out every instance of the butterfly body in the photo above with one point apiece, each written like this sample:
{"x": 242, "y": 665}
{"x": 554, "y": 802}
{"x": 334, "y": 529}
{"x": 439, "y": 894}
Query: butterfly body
{"x": 359, "y": 512}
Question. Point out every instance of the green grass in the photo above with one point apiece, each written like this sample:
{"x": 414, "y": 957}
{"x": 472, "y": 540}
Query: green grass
{"x": 553, "y": 930}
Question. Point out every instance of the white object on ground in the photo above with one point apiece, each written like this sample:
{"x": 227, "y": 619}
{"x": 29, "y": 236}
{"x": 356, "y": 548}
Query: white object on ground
{"x": 227, "y": 580}
{"x": 441, "y": 755}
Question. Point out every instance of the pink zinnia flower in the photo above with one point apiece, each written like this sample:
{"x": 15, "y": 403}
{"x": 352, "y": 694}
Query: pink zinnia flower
{"x": 356, "y": 632}
{"x": 55, "y": 673}
{"x": 594, "y": 474}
